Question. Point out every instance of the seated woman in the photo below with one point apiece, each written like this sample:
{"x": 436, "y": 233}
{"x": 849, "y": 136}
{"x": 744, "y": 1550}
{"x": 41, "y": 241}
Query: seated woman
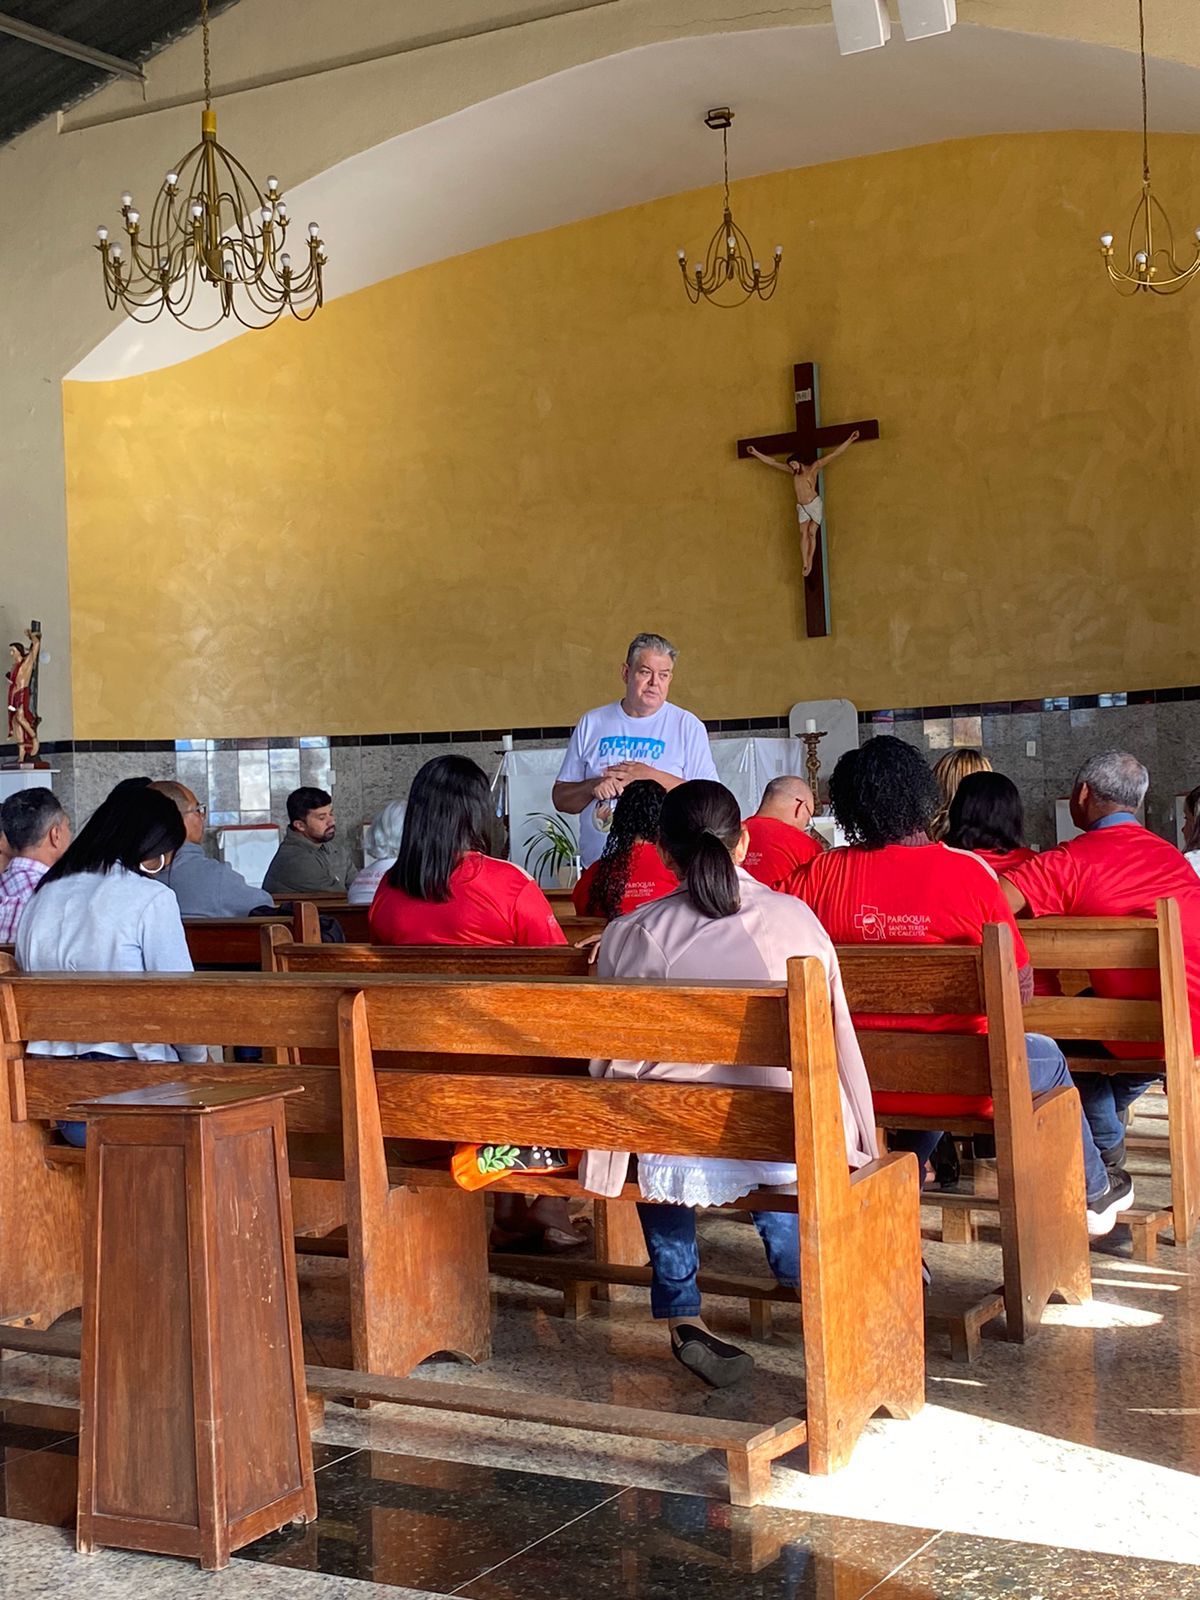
{"x": 383, "y": 843}
{"x": 890, "y": 884}
{"x": 630, "y": 871}
{"x": 722, "y": 924}
{"x": 445, "y": 888}
{"x": 987, "y": 818}
{"x": 949, "y": 771}
{"x": 99, "y": 909}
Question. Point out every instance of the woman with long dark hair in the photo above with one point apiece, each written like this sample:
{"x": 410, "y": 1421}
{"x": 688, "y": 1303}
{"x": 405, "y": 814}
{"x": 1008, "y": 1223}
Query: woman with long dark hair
{"x": 721, "y": 924}
{"x": 100, "y": 909}
{"x": 445, "y": 887}
{"x": 987, "y": 817}
{"x": 631, "y": 870}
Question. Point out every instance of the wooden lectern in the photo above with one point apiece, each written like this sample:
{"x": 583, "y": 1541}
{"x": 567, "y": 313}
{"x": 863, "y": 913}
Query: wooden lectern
{"x": 194, "y": 1435}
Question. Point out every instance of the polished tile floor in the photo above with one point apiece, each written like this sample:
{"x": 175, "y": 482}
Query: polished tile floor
{"x": 1064, "y": 1468}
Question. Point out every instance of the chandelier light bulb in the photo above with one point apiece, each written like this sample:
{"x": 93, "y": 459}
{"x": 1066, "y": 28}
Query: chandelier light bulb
{"x": 102, "y": 234}
{"x": 757, "y": 268}
{"x": 172, "y": 179}
{"x": 134, "y": 218}
{"x": 314, "y": 231}
{"x": 778, "y": 252}
{"x": 267, "y": 215}
{"x": 285, "y": 261}
{"x": 1106, "y": 240}
{"x": 115, "y": 252}
{"x": 281, "y": 211}
{"x": 272, "y": 184}
{"x": 126, "y": 200}
{"x": 196, "y": 209}
{"x": 682, "y": 254}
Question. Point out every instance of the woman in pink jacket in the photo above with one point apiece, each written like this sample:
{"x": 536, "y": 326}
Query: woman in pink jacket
{"x": 720, "y": 923}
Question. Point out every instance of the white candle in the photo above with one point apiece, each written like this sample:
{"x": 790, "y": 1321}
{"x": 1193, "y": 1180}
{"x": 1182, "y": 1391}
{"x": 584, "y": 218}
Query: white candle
{"x": 810, "y": 726}
{"x": 507, "y": 740}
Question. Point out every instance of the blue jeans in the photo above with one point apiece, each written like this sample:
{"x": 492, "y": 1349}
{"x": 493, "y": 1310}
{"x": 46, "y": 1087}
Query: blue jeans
{"x": 670, "y": 1233}
{"x": 76, "y": 1132}
{"x": 1105, "y": 1098}
{"x": 1047, "y": 1070}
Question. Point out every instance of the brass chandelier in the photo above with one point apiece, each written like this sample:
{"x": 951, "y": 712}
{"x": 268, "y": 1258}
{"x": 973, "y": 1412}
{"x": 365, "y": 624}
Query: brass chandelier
{"x": 729, "y": 273}
{"x": 211, "y": 224}
{"x": 1150, "y": 263}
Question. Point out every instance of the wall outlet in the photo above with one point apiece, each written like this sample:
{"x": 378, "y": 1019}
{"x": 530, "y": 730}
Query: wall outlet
{"x": 1031, "y": 747}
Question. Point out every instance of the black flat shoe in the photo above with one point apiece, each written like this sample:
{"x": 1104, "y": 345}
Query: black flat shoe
{"x": 712, "y": 1360}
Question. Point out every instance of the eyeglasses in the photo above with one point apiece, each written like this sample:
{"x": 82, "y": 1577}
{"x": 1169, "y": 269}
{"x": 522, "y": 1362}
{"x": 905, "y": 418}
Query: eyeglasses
{"x": 199, "y": 811}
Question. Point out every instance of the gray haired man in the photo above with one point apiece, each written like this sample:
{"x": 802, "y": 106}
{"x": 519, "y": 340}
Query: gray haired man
{"x": 639, "y": 736}
{"x": 1115, "y": 868}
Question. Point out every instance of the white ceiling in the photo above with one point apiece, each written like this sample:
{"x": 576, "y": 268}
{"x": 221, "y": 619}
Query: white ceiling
{"x": 627, "y": 129}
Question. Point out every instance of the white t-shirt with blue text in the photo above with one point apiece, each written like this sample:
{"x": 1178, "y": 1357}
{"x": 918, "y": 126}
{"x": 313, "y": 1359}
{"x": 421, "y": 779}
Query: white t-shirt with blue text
{"x": 672, "y": 740}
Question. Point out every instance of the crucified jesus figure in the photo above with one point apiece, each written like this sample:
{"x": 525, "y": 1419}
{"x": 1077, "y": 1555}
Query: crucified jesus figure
{"x": 809, "y": 510}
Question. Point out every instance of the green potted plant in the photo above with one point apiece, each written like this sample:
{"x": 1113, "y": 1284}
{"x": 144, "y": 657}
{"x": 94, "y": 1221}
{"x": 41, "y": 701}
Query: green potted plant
{"x": 552, "y": 851}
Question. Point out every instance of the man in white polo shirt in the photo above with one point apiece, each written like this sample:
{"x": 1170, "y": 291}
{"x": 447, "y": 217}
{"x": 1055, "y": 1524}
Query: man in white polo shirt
{"x": 639, "y": 736}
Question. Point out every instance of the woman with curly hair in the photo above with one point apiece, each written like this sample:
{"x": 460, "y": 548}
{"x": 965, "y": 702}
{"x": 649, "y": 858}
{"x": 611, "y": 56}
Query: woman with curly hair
{"x": 987, "y": 817}
{"x": 892, "y": 885}
{"x": 630, "y": 871}
{"x": 949, "y": 771}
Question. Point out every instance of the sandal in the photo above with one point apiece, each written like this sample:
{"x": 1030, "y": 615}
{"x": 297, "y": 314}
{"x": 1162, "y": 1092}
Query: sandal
{"x": 712, "y": 1360}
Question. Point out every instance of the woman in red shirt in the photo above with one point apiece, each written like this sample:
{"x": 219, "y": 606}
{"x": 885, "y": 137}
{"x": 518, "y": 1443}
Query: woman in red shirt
{"x": 631, "y": 871}
{"x": 891, "y": 885}
{"x": 987, "y": 817}
{"x": 446, "y": 889}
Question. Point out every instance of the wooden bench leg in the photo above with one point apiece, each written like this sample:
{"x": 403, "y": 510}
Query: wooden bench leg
{"x": 577, "y": 1299}
{"x": 619, "y": 1243}
{"x": 958, "y": 1225}
{"x": 749, "y": 1476}
{"x": 41, "y": 1227}
{"x": 418, "y": 1261}
{"x": 1043, "y": 1218}
{"x": 1145, "y": 1227}
{"x": 760, "y": 1319}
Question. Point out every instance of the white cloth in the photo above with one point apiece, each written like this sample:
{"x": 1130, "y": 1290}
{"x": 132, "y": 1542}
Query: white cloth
{"x": 362, "y": 891}
{"x": 672, "y": 740}
{"x": 670, "y": 940}
{"x": 1192, "y": 857}
{"x": 814, "y": 511}
{"x": 115, "y": 921}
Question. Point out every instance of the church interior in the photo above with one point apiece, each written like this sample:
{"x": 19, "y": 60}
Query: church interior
{"x": 372, "y": 375}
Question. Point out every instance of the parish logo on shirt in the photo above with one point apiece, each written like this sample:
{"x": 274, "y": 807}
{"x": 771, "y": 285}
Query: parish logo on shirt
{"x": 615, "y": 747}
{"x": 877, "y": 926}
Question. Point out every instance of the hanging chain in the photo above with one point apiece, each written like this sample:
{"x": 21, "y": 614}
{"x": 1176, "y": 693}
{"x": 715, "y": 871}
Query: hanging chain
{"x": 725, "y": 146}
{"x": 1145, "y": 114}
{"x": 207, "y": 64}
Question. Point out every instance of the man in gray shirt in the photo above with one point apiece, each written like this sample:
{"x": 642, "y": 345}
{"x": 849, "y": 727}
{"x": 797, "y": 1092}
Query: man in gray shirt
{"x": 203, "y": 886}
{"x": 310, "y": 859}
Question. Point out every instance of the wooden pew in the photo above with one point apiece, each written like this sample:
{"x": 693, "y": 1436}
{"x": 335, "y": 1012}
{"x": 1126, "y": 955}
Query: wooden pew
{"x": 229, "y": 943}
{"x": 1095, "y": 943}
{"x": 281, "y": 954}
{"x": 1039, "y": 1156}
{"x": 353, "y": 921}
{"x": 418, "y": 1267}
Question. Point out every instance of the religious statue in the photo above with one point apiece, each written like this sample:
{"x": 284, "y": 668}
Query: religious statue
{"x": 22, "y": 713}
{"x": 809, "y": 509}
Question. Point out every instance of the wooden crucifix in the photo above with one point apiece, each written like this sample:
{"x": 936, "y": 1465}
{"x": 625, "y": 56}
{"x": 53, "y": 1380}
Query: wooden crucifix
{"x": 806, "y": 441}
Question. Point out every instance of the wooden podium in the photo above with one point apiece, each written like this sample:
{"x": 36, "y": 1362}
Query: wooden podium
{"x": 194, "y": 1435}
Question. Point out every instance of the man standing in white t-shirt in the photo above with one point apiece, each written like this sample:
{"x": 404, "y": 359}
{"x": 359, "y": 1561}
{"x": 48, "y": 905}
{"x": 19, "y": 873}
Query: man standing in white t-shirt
{"x": 638, "y": 736}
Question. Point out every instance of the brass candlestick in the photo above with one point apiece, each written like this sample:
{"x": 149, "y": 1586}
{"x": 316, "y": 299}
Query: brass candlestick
{"x": 812, "y": 765}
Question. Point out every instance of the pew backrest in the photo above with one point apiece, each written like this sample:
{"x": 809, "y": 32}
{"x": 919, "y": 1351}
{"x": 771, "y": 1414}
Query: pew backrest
{"x": 434, "y": 960}
{"x": 229, "y": 942}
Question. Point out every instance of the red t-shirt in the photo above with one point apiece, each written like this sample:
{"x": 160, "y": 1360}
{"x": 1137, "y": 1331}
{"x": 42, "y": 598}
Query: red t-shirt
{"x": 491, "y": 902}
{"x": 649, "y": 879}
{"x": 776, "y": 850}
{"x": 1005, "y": 861}
{"x": 907, "y": 894}
{"x": 1119, "y": 871}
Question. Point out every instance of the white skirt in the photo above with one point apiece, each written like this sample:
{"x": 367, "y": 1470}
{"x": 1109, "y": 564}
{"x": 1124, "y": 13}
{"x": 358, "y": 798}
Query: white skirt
{"x": 706, "y": 1181}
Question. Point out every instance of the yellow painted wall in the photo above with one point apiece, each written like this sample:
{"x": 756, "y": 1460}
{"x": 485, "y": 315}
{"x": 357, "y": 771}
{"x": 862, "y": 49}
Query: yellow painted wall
{"x": 449, "y": 500}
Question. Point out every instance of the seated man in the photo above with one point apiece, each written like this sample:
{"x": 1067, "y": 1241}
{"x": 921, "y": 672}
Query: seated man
{"x": 1115, "y": 868}
{"x": 204, "y": 886}
{"x": 779, "y": 837}
{"x": 891, "y": 884}
{"x": 308, "y": 860}
{"x": 38, "y": 831}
